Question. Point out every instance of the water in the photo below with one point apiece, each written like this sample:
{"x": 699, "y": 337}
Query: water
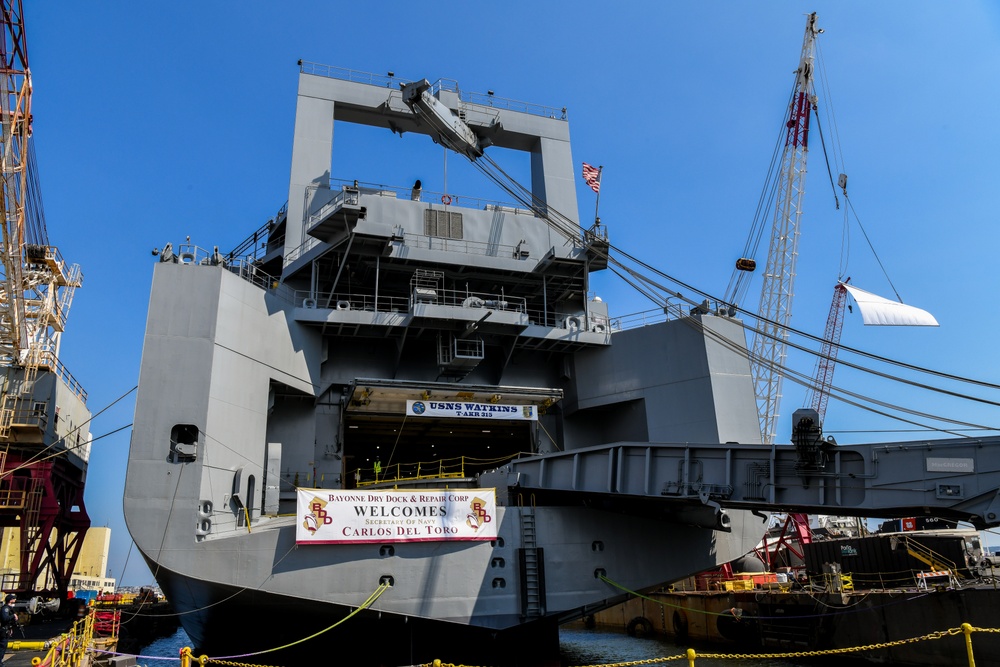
{"x": 578, "y": 646}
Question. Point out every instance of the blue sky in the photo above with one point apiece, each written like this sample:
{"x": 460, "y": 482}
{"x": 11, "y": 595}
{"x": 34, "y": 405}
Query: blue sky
{"x": 157, "y": 121}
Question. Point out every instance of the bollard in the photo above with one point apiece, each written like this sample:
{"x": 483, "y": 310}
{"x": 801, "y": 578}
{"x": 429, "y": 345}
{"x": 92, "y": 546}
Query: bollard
{"x": 691, "y": 656}
{"x": 186, "y": 656}
{"x": 968, "y": 630}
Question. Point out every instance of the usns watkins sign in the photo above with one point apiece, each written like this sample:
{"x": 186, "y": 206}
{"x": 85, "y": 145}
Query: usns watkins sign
{"x": 472, "y": 410}
{"x": 355, "y": 516}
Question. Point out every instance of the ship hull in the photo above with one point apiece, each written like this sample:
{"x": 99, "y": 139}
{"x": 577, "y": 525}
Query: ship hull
{"x": 457, "y": 604}
{"x": 385, "y": 344}
{"x": 228, "y": 622}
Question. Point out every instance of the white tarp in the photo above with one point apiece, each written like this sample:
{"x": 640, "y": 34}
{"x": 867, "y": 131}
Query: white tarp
{"x": 877, "y": 310}
{"x": 356, "y": 516}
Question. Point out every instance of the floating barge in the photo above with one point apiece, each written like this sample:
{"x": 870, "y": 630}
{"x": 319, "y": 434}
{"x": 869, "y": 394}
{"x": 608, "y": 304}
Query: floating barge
{"x": 853, "y": 592}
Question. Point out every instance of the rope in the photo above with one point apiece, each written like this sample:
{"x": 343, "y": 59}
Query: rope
{"x": 382, "y": 588}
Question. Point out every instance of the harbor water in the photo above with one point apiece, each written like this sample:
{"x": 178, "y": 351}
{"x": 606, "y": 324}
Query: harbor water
{"x": 577, "y": 646}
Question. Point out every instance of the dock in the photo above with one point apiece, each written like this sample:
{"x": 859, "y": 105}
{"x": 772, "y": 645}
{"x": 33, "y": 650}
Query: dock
{"x": 63, "y": 641}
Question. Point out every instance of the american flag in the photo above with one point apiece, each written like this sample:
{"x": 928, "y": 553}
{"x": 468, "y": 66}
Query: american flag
{"x": 592, "y": 175}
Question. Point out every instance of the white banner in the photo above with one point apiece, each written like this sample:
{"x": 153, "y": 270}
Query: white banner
{"x": 471, "y": 410}
{"x": 326, "y": 516}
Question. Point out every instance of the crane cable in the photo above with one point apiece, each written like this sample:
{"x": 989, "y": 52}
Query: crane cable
{"x": 570, "y": 229}
{"x": 739, "y": 281}
{"x": 839, "y": 394}
{"x": 40, "y": 456}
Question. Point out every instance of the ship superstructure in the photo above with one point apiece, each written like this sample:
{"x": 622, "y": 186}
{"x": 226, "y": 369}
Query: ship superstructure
{"x": 398, "y": 392}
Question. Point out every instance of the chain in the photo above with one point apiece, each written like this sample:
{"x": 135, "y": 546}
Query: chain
{"x": 939, "y": 634}
{"x": 632, "y": 663}
{"x": 204, "y": 660}
{"x": 836, "y": 651}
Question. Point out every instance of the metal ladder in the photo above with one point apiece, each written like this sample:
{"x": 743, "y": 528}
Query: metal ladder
{"x": 532, "y": 571}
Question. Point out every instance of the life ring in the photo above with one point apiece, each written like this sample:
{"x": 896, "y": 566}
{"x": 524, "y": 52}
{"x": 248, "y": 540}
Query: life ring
{"x": 639, "y": 627}
{"x": 445, "y": 199}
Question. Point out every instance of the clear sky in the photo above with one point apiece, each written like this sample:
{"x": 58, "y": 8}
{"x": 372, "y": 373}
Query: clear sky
{"x": 155, "y": 121}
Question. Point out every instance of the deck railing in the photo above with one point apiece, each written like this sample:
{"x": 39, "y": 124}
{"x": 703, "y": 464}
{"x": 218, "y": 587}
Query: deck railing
{"x": 391, "y": 81}
{"x": 450, "y": 468}
{"x": 246, "y": 268}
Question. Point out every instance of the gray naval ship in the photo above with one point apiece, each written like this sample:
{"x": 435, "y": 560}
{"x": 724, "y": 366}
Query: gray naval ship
{"x": 398, "y": 419}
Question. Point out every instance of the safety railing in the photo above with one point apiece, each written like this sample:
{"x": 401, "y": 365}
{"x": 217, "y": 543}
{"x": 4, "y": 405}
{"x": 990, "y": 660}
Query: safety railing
{"x": 467, "y": 299}
{"x": 30, "y": 417}
{"x": 96, "y": 632}
{"x": 345, "y": 197}
{"x": 450, "y": 468}
{"x": 53, "y": 362}
{"x": 246, "y": 268}
{"x": 673, "y": 310}
{"x": 479, "y": 248}
{"x": 259, "y": 243}
{"x": 390, "y": 80}
{"x": 12, "y": 499}
{"x": 428, "y": 196}
{"x": 344, "y": 301}
{"x": 51, "y": 257}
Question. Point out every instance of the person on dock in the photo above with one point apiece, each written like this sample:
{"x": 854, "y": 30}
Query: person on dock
{"x": 8, "y": 620}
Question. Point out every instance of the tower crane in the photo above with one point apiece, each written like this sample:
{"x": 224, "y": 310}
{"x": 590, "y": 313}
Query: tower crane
{"x": 44, "y": 442}
{"x": 775, "y": 309}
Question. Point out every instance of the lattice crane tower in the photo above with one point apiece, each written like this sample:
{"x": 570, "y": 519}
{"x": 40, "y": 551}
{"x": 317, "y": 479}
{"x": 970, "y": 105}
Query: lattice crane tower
{"x": 44, "y": 439}
{"x": 775, "y": 309}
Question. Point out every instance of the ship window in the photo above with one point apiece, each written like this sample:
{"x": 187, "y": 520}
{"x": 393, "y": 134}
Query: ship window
{"x": 497, "y": 562}
{"x": 499, "y": 583}
{"x": 446, "y": 224}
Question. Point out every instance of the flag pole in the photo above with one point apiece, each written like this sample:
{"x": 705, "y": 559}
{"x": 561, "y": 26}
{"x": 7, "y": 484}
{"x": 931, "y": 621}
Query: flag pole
{"x": 597, "y": 206}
